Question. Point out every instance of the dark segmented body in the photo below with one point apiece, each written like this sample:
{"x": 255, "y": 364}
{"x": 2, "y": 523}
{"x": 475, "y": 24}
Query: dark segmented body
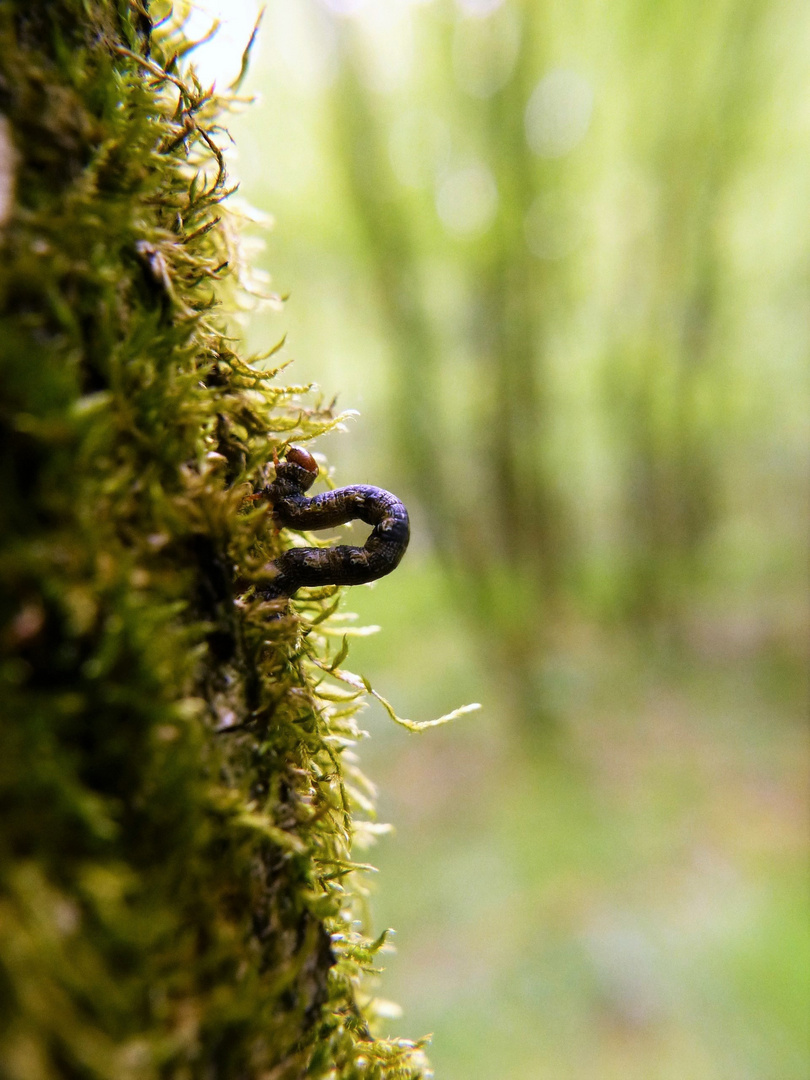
{"x": 342, "y": 565}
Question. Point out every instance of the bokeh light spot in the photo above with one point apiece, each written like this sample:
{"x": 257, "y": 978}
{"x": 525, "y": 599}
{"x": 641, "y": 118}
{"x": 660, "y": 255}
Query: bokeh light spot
{"x": 467, "y": 200}
{"x": 485, "y": 51}
{"x": 559, "y": 113}
{"x": 345, "y": 7}
{"x": 478, "y": 9}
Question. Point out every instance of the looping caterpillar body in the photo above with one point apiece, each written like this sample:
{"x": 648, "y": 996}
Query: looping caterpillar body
{"x": 342, "y": 565}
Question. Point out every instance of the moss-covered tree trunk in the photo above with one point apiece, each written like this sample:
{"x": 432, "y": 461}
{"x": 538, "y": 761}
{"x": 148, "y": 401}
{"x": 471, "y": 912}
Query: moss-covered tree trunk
{"x": 175, "y": 812}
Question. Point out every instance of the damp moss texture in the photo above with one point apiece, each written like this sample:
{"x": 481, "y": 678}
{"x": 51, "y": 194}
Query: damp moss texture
{"x": 178, "y": 799}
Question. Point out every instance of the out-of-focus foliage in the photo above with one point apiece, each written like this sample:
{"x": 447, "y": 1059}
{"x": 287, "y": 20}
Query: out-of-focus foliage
{"x": 561, "y": 245}
{"x": 558, "y": 254}
{"x": 178, "y": 799}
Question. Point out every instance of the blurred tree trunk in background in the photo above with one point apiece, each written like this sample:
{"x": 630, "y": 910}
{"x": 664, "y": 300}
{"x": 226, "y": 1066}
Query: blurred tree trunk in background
{"x": 415, "y": 418}
{"x": 506, "y": 513}
{"x": 667, "y": 395}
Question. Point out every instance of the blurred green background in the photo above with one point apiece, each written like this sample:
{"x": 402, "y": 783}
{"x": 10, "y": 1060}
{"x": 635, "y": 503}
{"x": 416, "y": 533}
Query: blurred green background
{"x": 558, "y": 257}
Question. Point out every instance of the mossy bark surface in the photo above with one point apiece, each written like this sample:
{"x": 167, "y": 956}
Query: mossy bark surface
{"x": 176, "y": 883}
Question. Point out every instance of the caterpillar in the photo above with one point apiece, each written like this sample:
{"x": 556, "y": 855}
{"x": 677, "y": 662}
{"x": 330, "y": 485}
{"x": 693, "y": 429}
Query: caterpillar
{"x": 342, "y": 565}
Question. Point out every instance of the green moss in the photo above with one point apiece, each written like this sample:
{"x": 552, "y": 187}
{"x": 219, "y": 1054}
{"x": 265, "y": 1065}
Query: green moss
{"x": 177, "y": 896}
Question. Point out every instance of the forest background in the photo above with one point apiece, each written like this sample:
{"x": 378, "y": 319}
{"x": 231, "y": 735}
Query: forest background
{"x": 557, "y": 257}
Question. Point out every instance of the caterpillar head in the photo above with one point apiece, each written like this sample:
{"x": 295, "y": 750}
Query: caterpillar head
{"x": 299, "y": 469}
